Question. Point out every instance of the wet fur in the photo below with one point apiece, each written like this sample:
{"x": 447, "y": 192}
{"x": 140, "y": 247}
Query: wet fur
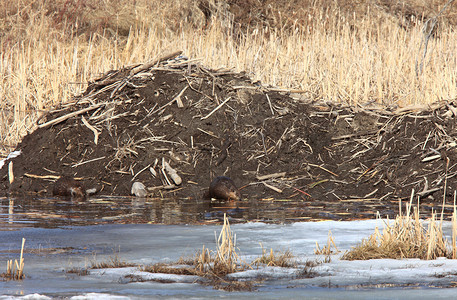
{"x": 68, "y": 187}
{"x": 224, "y": 188}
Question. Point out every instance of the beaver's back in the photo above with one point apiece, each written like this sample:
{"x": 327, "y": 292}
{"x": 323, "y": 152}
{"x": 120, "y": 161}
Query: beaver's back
{"x": 224, "y": 188}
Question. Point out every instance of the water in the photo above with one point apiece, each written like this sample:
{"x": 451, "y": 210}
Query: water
{"x": 64, "y": 235}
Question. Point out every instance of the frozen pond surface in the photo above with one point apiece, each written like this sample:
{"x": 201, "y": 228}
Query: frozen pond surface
{"x": 59, "y": 249}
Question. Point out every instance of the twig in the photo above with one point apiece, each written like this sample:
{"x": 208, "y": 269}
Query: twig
{"x": 178, "y": 97}
{"x": 139, "y": 172}
{"x": 313, "y": 165}
{"x": 41, "y": 176}
{"x": 269, "y": 103}
{"x": 10, "y": 172}
{"x": 208, "y": 133}
{"x": 269, "y": 176}
{"x": 428, "y": 192}
{"x": 272, "y": 187}
{"x": 148, "y": 65}
{"x": 68, "y": 116}
{"x": 214, "y": 110}
{"x": 87, "y": 161}
{"x": 95, "y": 131}
{"x": 430, "y": 158}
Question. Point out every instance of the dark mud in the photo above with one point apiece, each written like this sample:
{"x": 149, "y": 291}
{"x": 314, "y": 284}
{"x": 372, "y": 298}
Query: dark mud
{"x": 320, "y": 160}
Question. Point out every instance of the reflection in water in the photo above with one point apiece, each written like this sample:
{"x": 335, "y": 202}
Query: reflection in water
{"x": 55, "y": 212}
{"x": 10, "y": 211}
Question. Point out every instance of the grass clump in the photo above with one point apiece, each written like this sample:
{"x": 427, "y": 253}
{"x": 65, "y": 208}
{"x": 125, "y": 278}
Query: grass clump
{"x": 327, "y": 250}
{"x": 112, "y": 262}
{"x": 15, "y": 270}
{"x": 407, "y": 237}
{"x": 212, "y": 265}
{"x": 276, "y": 259}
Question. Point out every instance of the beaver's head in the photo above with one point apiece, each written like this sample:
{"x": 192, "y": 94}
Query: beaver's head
{"x": 234, "y": 194}
{"x": 77, "y": 191}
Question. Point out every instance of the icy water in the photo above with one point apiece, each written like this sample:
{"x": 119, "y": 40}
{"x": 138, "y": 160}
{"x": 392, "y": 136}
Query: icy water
{"x": 63, "y": 235}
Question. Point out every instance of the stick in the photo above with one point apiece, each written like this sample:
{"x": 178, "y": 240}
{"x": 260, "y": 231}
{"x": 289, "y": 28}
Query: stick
{"x": 178, "y": 98}
{"x": 269, "y": 176}
{"x": 95, "y": 131}
{"x": 87, "y": 161}
{"x": 269, "y": 103}
{"x": 430, "y": 158}
{"x": 214, "y": 110}
{"x": 152, "y": 63}
{"x": 172, "y": 172}
{"x": 272, "y": 187}
{"x": 41, "y": 176}
{"x": 313, "y": 165}
{"x": 10, "y": 172}
{"x": 68, "y": 116}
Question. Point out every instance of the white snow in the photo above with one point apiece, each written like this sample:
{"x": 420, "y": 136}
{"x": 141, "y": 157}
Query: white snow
{"x": 148, "y": 244}
{"x": 11, "y": 155}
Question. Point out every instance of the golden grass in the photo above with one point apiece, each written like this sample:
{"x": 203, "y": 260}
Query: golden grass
{"x": 112, "y": 262}
{"x": 407, "y": 237}
{"x": 49, "y": 50}
{"x": 15, "y": 270}
{"x": 327, "y": 250}
{"x": 225, "y": 259}
{"x": 275, "y": 258}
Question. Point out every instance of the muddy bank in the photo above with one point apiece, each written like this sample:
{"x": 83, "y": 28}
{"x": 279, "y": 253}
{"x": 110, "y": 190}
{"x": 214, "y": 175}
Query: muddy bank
{"x": 207, "y": 123}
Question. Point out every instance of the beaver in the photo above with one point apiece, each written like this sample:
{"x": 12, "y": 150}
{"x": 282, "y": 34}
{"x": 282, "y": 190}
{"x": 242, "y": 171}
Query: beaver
{"x": 223, "y": 188}
{"x": 68, "y": 187}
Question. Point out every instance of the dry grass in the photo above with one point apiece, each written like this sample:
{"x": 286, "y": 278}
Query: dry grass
{"x": 327, "y": 250}
{"x": 407, "y": 237}
{"x": 350, "y": 51}
{"x": 225, "y": 259}
{"x": 112, "y": 262}
{"x": 274, "y": 258}
{"x": 15, "y": 270}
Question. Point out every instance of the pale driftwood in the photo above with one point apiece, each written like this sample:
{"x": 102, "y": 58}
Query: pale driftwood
{"x": 269, "y": 176}
{"x": 95, "y": 131}
{"x": 214, "y": 110}
{"x": 430, "y": 158}
{"x": 153, "y": 172}
{"x": 161, "y": 187}
{"x": 269, "y": 103}
{"x": 178, "y": 98}
{"x": 428, "y": 192}
{"x": 10, "y": 172}
{"x": 172, "y": 172}
{"x": 272, "y": 187}
{"x": 87, "y": 161}
{"x": 328, "y": 171}
{"x": 42, "y": 176}
{"x": 139, "y": 172}
{"x": 68, "y": 116}
{"x": 154, "y": 62}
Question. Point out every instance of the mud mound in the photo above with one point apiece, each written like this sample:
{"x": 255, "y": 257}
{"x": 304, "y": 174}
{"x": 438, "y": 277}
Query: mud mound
{"x": 206, "y": 123}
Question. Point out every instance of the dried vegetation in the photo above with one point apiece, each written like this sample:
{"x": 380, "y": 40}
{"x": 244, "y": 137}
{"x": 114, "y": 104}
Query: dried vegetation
{"x": 408, "y": 237}
{"x": 351, "y": 51}
{"x": 212, "y": 267}
{"x": 15, "y": 270}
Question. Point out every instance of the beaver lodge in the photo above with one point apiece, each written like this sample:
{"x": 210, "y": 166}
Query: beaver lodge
{"x": 174, "y": 125}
